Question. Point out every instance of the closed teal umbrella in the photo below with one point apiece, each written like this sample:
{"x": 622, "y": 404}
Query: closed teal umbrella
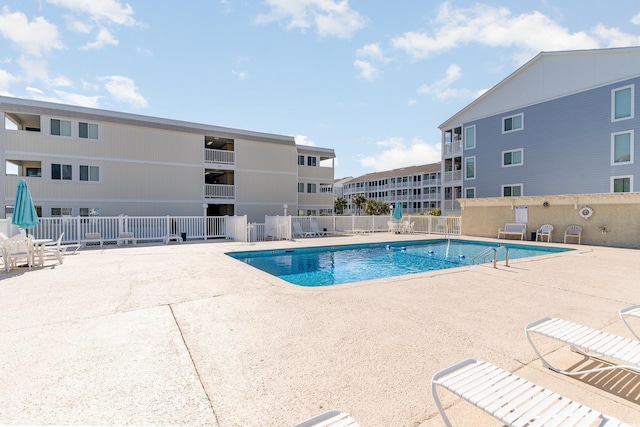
{"x": 397, "y": 211}
{"x": 24, "y": 213}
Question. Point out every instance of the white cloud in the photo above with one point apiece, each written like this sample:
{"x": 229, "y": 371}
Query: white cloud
{"x": 103, "y": 38}
{"x": 242, "y": 75}
{"x": 110, "y": 11}
{"x": 331, "y": 18}
{"x": 442, "y": 89}
{"x": 396, "y": 153}
{"x": 304, "y": 140}
{"x": 6, "y": 80}
{"x": 34, "y": 38}
{"x": 369, "y": 57}
{"x": 636, "y": 19}
{"x": 124, "y": 89}
{"x": 77, "y": 99}
{"x": 529, "y": 33}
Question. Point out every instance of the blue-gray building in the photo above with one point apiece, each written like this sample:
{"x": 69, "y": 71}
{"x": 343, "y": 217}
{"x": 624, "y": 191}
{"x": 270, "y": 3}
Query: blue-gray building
{"x": 563, "y": 123}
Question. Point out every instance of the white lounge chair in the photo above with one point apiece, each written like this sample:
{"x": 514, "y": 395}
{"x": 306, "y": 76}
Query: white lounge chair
{"x": 92, "y": 238}
{"x": 573, "y": 231}
{"x": 316, "y": 229}
{"x": 53, "y": 250}
{"x": 544, "y": 231}
{"x": 297, "y": 231}
{"x": 513, "y": 229}
{"x": 587, "y": 341}
{"x": 511, "y": 399}
{"x": 330, "y": 419}
{"x": 632, "y": 311}
{"x": 125, "y": 237}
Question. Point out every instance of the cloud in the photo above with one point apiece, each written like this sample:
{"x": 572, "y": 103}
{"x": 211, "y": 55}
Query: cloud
{"x": 529, "y": 33}
{"x": 368, "y": 58}
{"x": 6, "y": 80}
{"x": 76, "y": 99}
{"x": 35, "y": 38}
{"x": 124, "y": 89}
{"x": 331, "y": 18}
{"x": 304, "y": 140}
{"x": 636, "y": 19}
{"x": 442, "y": 89}
{"x": 242, "y": 75}
{"x": 396, "y": 153}
{"x": 106, "y": 11}
{"x": 103, "y": 38}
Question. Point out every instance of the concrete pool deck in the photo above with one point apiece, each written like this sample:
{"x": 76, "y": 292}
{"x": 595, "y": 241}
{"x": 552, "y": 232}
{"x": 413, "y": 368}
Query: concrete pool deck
{"x": 184, "y": 335}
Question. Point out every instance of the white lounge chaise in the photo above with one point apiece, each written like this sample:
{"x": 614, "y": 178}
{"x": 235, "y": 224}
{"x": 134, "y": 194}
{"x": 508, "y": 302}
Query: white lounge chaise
{"x": 297, "y": 231}
{"x": 512, "y": 399}
{"x": 631, "y": 311}
{"x": 587, "y": 341}
{"x": 92, "y": 238}
{"x": 316, "y": 229}
{"x": 513, "y": 229}
{"x": 125, "y": 237}
{"x": 330, "y": 419}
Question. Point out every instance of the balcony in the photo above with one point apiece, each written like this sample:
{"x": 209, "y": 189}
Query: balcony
{"x": 452, "y": 147}
{"x": 452, "y": 176}
{"x": 220, "y": 157}
{"x": 219, "y": 191}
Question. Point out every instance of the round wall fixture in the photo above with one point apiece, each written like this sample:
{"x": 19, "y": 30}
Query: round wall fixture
{"x": 545, "y": 204}
{"x": 585, "y": 212}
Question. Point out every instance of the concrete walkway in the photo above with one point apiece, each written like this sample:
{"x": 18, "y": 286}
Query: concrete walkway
{"x": 184, "y": 335}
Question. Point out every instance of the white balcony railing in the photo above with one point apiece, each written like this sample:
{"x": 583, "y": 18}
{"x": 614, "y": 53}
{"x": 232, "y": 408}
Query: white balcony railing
{"x": 452, "y": 176}
{"x": 452, "y": 147}
{"x": 219, "y": 156}
{"x": 219, "y": 191}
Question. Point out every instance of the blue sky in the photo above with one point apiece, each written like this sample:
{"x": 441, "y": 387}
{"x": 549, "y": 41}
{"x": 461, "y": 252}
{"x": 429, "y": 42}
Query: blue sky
{"x": 371, "y": 79}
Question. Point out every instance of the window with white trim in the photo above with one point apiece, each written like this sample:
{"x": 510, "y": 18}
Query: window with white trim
{"x": 470, "y": 167}
{"x": 513, "y": 123}
{"x": 311, "y": 161}
{"x": 87, "y": 130}
{"x": 512, "y": 158}
{"x": 60, "y": 127}
{"x": 311, "y": 188}
{"x": 512, "y": 190}
{"x": 470, "y": 137}
{"x": 301, "y": 187}
{"x": 622, "y": 148}
{"x": 622, "y": 184}
{"x": 300, "y": 160}
{"x": 61, "y": 172}
{"x": 622, "y": 103}
{"x": 89, "y": 173}
{"x": 59, "y": 212}
{"x": 89, "y": 211}
{"x": 470, "y": 193}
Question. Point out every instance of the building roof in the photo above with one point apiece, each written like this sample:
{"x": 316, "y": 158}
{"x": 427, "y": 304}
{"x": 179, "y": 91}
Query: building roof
{"x": 550, "y": 75}
{"x": 393, "y": 173}
{"x": 27, "y": 106}
{"x": 324, "y": 153}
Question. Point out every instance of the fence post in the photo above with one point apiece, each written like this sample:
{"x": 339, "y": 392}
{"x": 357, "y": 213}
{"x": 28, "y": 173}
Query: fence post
{"x": 78, "y": 231}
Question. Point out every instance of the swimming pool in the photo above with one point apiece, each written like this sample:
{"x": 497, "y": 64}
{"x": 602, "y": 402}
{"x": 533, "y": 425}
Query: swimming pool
{"x": 325, "y": 266}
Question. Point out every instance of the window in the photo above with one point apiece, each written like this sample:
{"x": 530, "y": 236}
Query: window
{"x": 514, "y": 190}
{"x": 512, "y": 158}
{"x": 89, "y": 173}
{"x": 470, "y": 167}
{"x": 622, "y": 105}
{"x": 59, "y": 171}
{"x": 60, "y": 212}
{"x": 311, "y": 161}
{"x": 34, "y": 172}
{"x": 89, "y": 211}
{"x": 470, "y": 193}
{"x": 621, "y": 184}
{"x": 60, "y": 127}
{"x": 311, "y": 188}
{"x": 622, "y": 148}
{"x": 512, "y": 123}
{"x": 300, "y": 160}
{"x": 88, "y": 130}
{"x": 469, "y": 137}
{"x": 301, "y": 187}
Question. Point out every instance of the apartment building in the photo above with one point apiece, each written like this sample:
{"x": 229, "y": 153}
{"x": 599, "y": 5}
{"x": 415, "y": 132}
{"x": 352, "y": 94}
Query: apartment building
{"x": 416, "y": 187}
{"x": 563, "y": 123}
{"x": 84, "y": 161}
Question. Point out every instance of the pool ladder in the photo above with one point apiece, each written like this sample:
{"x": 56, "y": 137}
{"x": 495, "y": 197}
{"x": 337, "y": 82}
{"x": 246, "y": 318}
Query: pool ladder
{"x": 493, "y": 251}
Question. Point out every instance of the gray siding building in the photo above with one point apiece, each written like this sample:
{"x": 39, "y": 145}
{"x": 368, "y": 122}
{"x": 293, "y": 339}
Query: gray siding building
{"x": 564, "y": 123}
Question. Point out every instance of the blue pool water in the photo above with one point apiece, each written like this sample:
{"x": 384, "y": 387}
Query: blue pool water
{"x": 334, "y": 265}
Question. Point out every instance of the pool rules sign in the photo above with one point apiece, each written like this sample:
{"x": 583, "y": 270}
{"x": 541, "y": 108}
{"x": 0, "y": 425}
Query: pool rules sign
{"x": 522, "y": 214}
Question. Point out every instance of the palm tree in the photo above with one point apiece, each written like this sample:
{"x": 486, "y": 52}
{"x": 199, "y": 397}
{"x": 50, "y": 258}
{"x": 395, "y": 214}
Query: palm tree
{"x": 340, "y": 204}
{"x": 358, "y": 200}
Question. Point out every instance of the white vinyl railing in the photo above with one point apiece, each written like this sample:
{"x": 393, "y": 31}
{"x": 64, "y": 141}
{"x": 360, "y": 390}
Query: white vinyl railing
{"x": 219, "y": 191}
{"x": 143, "y": 228}
{"x": 219, "y": 156}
